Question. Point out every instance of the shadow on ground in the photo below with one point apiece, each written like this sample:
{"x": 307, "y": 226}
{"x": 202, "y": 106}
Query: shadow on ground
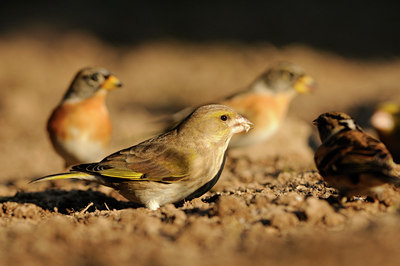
{"x": 66, "y": 202}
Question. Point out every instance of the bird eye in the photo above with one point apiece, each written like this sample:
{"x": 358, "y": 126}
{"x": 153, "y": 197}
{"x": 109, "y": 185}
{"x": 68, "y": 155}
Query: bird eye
{"x": 224, "y": 117}
{"x": 94, "y": 77}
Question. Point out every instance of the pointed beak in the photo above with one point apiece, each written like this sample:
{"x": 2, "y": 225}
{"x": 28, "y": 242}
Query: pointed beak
{"x": 241, "y": 124}
{"x": 305, "y": 84}
{"x": 111, "y": 83}
{"x": 315, "y": 122}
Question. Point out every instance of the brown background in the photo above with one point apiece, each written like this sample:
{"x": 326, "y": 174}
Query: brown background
{"x": 270, "y": 206}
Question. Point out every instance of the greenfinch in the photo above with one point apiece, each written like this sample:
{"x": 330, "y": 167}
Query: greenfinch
{"x": 265, "y": 101}
{"x": 79, "y": 127}
{"x": 351, "y": 160}
{"x": 386, "y": 122}
{"x": 181, "y": 164}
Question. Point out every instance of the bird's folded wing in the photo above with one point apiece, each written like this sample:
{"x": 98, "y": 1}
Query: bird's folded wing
{"x": 159, "y": 163}
{"x": 355, "y": 153}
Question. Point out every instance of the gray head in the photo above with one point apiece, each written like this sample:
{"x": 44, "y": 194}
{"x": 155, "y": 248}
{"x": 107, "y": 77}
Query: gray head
{"x": 90, "y": 80}
{"x": 284, "y": 77}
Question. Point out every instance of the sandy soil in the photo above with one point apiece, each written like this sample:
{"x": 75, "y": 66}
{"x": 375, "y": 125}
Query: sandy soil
{"x": 269, "y": 208}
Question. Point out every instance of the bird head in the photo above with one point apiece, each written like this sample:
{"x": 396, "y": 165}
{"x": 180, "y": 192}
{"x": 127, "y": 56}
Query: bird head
{"x": 91, "y": 80}
{"x": 214, "y": 123}
{"x": 330, "y": 123}
{"x": 284, "y": 77}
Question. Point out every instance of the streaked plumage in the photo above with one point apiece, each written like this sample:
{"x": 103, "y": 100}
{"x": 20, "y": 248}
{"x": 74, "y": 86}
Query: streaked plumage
{"x": 183, "y": 163}
{"x": 349, "y": 159}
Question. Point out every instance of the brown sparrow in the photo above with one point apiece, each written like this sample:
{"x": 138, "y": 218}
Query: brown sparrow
{"x": 350, "y": 160}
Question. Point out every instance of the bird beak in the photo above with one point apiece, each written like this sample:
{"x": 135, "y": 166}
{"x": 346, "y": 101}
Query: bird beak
{"x": 111, "y": 83}
{"x": 242, "y": 124}
{"x": 315, "y": 122}
{"x": 304, "y": 85}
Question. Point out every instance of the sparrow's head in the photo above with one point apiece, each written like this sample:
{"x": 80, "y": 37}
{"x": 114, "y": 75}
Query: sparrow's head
{"x": 386, "y": 118}
{"x": 214, "y": 123}
{"x": 284, "y": 77}
{"x": 89, "y": 81}
{"x": 331, "y": 123}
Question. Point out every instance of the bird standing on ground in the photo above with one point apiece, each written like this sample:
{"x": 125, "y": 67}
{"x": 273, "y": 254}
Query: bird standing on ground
{"x": 79, "y": 127}
{"x": 386, "y": 121}
{"x": 350, "y": 160}
{"x": 265, "y": 102}
{"x": 181, "y": 164}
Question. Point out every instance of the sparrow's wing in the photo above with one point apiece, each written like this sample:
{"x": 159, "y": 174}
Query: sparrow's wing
{"x": 353, "y": 152}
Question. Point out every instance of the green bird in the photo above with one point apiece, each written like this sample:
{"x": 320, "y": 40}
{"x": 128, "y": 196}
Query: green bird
{"x": 181, "y": 164}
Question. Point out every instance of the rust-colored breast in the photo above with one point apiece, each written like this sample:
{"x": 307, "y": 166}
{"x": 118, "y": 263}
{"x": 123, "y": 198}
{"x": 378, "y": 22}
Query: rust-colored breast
{"x": 85, "y": 119}
{"x": 261, "y": 109}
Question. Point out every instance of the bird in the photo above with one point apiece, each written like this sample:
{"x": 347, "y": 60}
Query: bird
{"x": 386, "y": 122}
{"x": 351, "y": 160}
{"x": 265, "y": 101}
{"x": 79, "y": 127}
{"x": 181, "y": 164}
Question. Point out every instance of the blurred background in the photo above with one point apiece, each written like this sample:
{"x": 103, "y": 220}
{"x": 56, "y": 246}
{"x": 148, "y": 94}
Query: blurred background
{"x": 173, "y": 54}
{"x": 355, "y": 28}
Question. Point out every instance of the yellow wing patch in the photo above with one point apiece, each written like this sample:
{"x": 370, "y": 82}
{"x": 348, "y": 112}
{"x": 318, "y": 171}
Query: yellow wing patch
{"x": 135, "y": 176}
{"x": 121, "y": 173}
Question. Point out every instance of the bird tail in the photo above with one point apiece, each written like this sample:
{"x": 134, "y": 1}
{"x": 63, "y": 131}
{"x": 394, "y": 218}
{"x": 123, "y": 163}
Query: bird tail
{"x": 73, "y": 175}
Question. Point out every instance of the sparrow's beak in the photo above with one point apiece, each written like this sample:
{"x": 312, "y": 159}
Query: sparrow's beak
{"x": 111, "y": 83}
{"x": 241, "y": 124}
{"x": 315, "y": 122}
{"x": 305, "y": 84}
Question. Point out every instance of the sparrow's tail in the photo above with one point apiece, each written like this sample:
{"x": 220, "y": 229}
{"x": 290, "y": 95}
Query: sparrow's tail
{"x": 73, "y": 175}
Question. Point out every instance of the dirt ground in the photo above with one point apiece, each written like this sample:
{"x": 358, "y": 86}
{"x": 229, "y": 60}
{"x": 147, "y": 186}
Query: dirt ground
{"x": 270, "y": 206}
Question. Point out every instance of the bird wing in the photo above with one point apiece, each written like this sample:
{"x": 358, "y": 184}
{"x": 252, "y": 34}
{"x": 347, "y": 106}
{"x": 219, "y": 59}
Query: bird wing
{"x": 148, "y": 161}
{"x": 353, "y": 152}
